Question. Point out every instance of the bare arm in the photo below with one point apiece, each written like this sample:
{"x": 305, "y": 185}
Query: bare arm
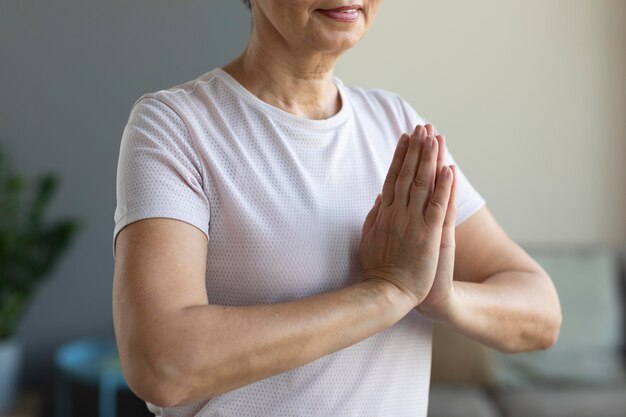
{"x": 512, "y": 301}
{"x": 502, "y": 297}
{"x": 186, "y": 350}
{"x": 511, "y": 311}
{"x": 176, "y": 349}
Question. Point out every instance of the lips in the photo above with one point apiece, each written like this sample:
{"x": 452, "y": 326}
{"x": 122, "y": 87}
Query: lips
{"x": 342, "y": 8}
{"x": 348, "y": 13}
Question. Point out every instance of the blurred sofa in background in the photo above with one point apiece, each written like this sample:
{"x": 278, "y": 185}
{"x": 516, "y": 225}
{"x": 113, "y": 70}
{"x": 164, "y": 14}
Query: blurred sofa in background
{"x": 583, "y": 374}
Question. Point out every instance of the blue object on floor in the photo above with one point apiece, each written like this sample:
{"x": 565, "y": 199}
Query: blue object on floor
{"x": 91, "y": 361}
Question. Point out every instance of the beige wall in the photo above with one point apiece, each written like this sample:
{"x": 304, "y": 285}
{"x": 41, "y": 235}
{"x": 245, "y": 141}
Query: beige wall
{"x": 531, "y": 96}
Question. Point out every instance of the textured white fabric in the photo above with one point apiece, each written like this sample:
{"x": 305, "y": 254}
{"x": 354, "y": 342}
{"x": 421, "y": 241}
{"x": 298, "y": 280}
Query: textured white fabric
{"x": 282, "y": 200}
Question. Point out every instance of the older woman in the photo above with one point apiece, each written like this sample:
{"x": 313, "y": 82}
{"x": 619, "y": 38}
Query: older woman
{"x": 285, "y": 241}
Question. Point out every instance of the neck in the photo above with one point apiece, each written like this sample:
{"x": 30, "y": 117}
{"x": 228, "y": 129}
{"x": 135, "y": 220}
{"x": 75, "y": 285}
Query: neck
{"x": 295, "y": 81}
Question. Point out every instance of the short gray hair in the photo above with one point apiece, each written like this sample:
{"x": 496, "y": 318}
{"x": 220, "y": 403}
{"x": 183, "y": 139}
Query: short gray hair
{"x": 247, "y": 3}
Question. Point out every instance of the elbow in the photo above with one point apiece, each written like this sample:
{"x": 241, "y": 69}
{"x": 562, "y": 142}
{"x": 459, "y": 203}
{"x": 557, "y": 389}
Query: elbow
{"x": 545, "y": 333}
{"x": 541, "y": 336}
{"x": 169, "y": 378}
{"x": 155, "y": 393}
{"x": 156, "y": 380}
{"x": 552, "y": 323}
{"x": 527, "y": 343}
{"x": 164, "y": 397}
{"x": 159, "y": 392}
{"x": 551, "y": 335}
{"x": 548, "y": 337}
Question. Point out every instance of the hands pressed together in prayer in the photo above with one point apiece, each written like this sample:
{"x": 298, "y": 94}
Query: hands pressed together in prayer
{"x": 408, "y": 236}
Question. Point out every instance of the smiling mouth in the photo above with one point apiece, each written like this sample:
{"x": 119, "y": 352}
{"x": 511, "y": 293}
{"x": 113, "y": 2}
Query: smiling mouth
{"x": 343, "y": 14}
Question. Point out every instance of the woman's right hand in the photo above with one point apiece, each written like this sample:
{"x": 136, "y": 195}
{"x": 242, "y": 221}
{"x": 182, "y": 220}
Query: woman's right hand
{"x": 402, "y": 233}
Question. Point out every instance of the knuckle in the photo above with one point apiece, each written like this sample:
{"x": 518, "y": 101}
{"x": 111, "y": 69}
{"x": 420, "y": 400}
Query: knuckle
{"x": 436, "y": 205}
{"x": 420, "y": 182}
{"x": 404, "y": 174}
{"x": 391, "y": 177}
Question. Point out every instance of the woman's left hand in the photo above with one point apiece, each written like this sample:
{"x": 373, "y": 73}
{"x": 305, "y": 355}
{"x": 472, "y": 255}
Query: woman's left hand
{"x": 440, "y": 299}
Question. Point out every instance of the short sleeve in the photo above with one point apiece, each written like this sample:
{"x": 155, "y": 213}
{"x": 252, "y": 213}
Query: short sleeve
{"x": 468, "y": 200}
{"x": 158, "y": 171}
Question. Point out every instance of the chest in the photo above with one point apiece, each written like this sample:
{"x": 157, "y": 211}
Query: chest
{"x": 286, "y": 216}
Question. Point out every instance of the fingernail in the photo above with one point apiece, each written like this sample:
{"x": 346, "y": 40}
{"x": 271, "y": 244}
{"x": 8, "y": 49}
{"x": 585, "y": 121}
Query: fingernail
{"x": 429, "y": 142}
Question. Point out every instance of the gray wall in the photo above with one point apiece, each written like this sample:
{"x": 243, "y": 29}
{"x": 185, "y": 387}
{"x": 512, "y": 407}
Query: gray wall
{"x": 69, "y": 73}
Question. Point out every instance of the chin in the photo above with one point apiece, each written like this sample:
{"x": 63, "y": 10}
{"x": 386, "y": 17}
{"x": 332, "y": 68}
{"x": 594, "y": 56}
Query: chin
{"x": 336, "y": 41}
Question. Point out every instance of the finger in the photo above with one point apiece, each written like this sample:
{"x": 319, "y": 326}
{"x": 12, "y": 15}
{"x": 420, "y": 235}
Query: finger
{"x": 450, "y": 220}
{"x": 448, "y": 243}
{"x": 442, "y": 148}
{"x": 449, "y": 223}
{"x": 430, "y": 129}
{"x": 394, "y": 170}
{"x": 422, "y": 185}
{"x": 441, "y": 157}
{"x": 435, "y": 213}
{"x": 371, "y": 217}
{"x": 409, "y": 166}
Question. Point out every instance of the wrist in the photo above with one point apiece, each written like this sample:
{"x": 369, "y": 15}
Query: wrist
{"x": 446, "y": 309}
{"x": 394, "y": 295}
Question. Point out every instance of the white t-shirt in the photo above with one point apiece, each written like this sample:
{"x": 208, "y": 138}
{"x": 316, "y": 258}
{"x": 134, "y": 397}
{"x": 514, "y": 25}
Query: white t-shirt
{"x": 282, "y": 200}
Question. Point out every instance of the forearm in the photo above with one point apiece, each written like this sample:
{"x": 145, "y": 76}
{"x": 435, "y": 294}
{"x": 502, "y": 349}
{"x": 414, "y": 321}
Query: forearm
{"x": 212, "y": 349}
{"x": 512, "y": 311}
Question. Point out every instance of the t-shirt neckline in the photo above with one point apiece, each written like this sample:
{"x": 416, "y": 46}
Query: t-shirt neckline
{"x": 331, "y": 122}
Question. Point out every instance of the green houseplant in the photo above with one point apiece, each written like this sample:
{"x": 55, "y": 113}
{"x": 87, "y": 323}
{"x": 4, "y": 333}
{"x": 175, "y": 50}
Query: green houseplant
{"x": 29, "y": 250}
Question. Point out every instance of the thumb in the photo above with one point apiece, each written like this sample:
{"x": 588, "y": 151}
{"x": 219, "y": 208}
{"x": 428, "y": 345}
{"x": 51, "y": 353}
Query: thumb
{"x": 371, "y": 216}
